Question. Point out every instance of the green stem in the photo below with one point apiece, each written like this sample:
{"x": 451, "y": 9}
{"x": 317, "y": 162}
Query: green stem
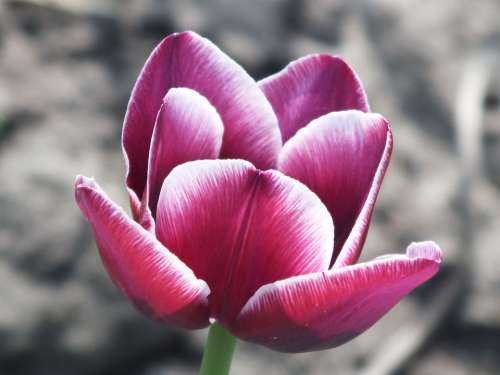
{"x": 218, "y": 351}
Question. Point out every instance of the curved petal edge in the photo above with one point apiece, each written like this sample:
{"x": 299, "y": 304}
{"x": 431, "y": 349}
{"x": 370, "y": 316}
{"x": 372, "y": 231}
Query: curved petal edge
{"x": 187, "y": 128}
{"x": 342, "y": 157}
{"x": 153, "y": 278}
{"x": 239, "y": 228}
{"x": 188, "y": 60}
{"x": 324, "y": 310}
{"x": 352, "y": 247}
{"x": 310, "y": 87}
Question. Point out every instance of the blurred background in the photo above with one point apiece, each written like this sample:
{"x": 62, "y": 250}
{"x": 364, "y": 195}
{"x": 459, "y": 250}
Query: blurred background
{"x": 66, "y": 71}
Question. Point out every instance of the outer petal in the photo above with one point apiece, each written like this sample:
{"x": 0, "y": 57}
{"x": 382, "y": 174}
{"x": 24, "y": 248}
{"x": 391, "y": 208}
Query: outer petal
{"x": 187, "y": 128}
{"x": 324, "y": 310}
{"x": 154, "y": 279}
{"x": 239, "y": 228}
{"x": 311, "y": 87}
{"x": 188, "y": 60}
{"x": 342, "y": 157}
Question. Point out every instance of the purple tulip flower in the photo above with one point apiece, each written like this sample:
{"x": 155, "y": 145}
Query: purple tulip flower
{"x": 251, "y": 201}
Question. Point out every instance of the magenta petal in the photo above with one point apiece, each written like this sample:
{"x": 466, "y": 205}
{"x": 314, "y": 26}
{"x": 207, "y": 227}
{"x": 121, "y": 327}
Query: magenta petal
{"x": 188, "y": 60}
{"x": 323, "y": 310}
{"x": 187, "y": 128}
{"x": 239, "y": 228}
{"x": 342, "y": 157}
{"x": 311, "y": 87}
{"x": 135, "y": 204}
{"x": 154, "y": 279}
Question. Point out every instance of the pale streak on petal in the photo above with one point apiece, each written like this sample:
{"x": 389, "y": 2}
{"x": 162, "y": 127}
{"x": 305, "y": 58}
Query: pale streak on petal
{"x": 323, "y": 310}
{"x": 187, "y": 60}
{"x": 310, "y": 87}
{"x": 342, "y": 157}
{"x": 187, "y": 128}
{"x": 239, "y": 228}
{"x": 154, "y": 279}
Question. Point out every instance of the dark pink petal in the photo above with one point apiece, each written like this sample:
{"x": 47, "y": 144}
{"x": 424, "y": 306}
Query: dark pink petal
{"x": 311, "y": 87}
{"x": 342, "y": 157}
{"x": 135, "y": 204}
{"x": 187, "y": 128}
{"x": 188, "y": 60}
{"x": 154, "y": 279}
{"x": 239, "y": 228}
{"x": 326, "y": 309}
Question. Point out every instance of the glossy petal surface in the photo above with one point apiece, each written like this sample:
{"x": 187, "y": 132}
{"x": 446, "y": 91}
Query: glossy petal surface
{"x": 239, "y": 228}
{"x": 154, "y": 279}
{"x": 324, "y": 310}
{"x": 311, "y": 87}
{"x": 187, "y": 128}
{"x": 188, "y": 60}
{"x": 342, "y": 157}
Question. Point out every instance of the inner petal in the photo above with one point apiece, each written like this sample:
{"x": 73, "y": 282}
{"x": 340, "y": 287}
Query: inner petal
{"x": 187, "y": 128}
{"x": 239, "y": 228}
{"x": 337, "y": 156}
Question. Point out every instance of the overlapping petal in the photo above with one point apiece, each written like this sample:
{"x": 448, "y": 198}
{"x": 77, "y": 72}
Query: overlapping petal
{"x": 154, "y": 279}
{"x": 249, "y": 246}
{"x": 342, "y": 157}
{"x": 311, "y": 87}
{"x": 239, "y": 228}
{"x": 323, "y": 310}
{"x": 188, "y": 60}
{"x": 187, "y": 128}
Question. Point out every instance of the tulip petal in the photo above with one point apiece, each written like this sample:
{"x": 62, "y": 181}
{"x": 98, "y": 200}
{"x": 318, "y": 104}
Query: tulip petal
{"x": 311, "y": 87}
{"x": 239, "y": 228}
{"x": 342, "y": 157}
{"x": 323, "y": 310}
{"x": 188, "y": 60}
{"x": 154, "y": 279}
{"x": 187, "y": 128}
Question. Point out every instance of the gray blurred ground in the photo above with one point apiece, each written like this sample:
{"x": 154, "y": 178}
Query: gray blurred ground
{"x": 66, "y": 70}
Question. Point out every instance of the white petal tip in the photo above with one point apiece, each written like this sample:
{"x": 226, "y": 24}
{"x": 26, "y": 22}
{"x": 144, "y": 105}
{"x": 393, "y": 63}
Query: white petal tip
{"x": 425, "y": 250}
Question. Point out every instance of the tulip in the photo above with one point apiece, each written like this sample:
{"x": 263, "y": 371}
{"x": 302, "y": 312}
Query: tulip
{"x": 251, "y": 202}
